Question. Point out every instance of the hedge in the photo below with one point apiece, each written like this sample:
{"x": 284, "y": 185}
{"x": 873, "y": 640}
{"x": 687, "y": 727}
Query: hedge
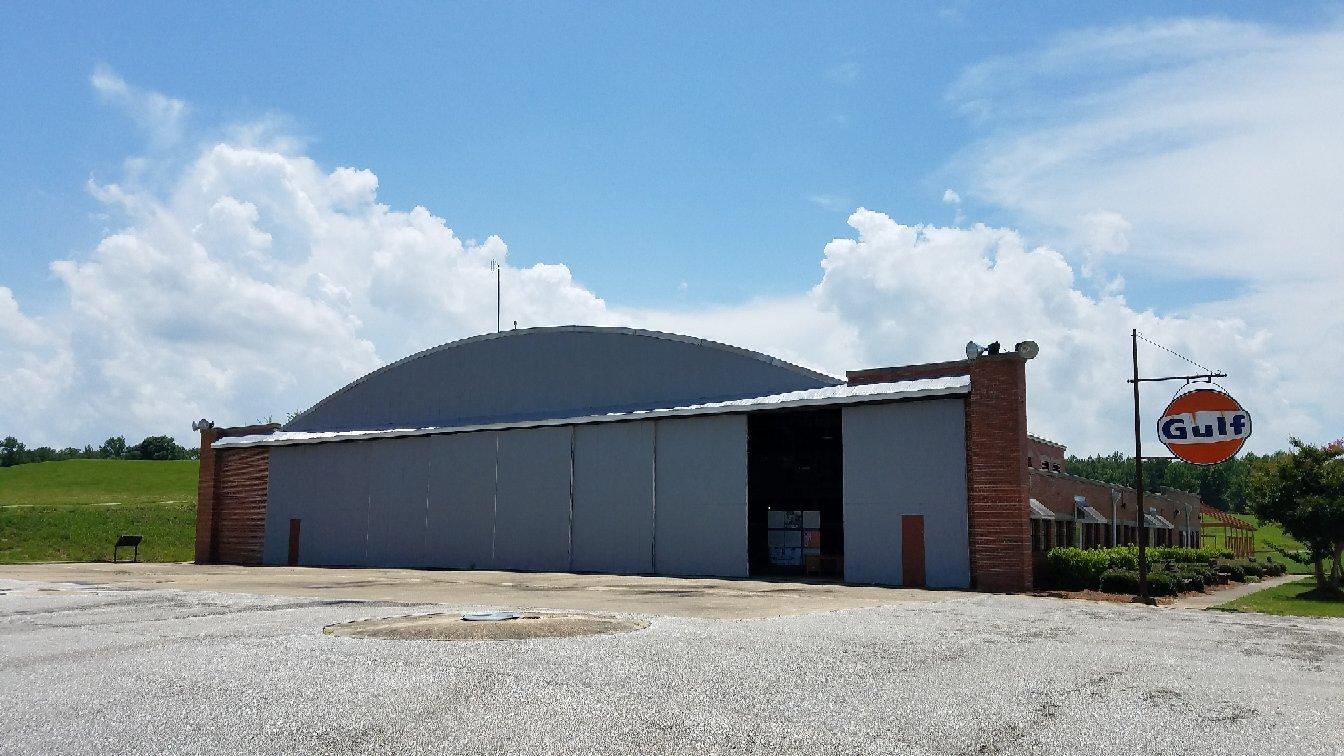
{"x": 1079, "y": 569}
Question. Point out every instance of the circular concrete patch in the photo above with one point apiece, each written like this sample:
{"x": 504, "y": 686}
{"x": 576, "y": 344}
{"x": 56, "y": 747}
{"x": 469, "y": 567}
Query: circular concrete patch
{"x": 451, "y": 627}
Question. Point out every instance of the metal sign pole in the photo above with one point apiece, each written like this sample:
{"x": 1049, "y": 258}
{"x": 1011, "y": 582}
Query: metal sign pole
{"x": 1138, "y": 451}
{"x": 1138, "y": 477}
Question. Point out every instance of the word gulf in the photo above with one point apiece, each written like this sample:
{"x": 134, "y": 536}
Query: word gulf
{"x": 1204, "y": 426}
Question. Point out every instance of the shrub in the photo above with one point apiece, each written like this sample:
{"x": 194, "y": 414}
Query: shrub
{"x": 1120, "y": 581}
{"x": 1082, "y": 568}
{"x": 1077, "y": 569}
{"x": 1179, "y": 554}
{"x": 1234, "y": 572}
{"x": 1127, "y": 581}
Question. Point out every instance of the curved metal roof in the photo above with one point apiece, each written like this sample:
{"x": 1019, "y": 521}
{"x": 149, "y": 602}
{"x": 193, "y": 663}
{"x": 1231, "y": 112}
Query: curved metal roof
{"x": 601, "y": 364}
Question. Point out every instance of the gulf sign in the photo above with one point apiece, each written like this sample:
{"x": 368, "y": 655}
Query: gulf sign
{"x": 1204, "y": 427}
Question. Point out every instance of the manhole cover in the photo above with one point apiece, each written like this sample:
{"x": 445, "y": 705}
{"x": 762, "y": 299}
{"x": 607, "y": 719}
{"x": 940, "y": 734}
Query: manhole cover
{"x": 449, "y": 627}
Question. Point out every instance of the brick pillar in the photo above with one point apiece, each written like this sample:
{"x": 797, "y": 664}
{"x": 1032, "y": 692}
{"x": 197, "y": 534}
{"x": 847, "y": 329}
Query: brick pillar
{"x": 205, "y": 497}
{"x": 996, "y": 450}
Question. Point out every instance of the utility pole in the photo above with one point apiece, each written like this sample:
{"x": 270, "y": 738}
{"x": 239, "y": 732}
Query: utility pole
{"x": 1138, "y": 477}
{"x": 1138, "y": 451}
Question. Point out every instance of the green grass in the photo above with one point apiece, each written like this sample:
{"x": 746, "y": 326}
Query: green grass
{"x": 99, "y": 481}
{"x": 74, "y": 510}
{"x": 1289, "y": 599}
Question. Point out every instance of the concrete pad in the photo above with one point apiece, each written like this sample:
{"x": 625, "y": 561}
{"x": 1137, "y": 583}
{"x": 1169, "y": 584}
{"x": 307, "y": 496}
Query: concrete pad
{"x": 705, "y": 598}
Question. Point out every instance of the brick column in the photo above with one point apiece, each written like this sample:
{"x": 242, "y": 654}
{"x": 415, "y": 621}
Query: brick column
{"x": 205, "y": 497}
{"x": 996, "y": 451}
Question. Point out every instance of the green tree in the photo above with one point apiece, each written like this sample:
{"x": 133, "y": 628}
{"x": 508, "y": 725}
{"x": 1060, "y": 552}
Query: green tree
{"x": 12, "y": 452}
{"x": 113, "y": 448}
{"x": 1304, "y": 493}
{"x": 159, "y": 448}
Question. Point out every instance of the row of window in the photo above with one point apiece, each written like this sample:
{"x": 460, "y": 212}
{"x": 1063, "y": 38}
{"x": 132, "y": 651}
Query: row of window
{"x": 1047, "y": 534}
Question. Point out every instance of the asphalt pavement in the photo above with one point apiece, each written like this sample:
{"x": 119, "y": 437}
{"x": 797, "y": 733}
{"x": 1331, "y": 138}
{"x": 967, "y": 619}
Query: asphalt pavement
{"x": 122, "y": 669}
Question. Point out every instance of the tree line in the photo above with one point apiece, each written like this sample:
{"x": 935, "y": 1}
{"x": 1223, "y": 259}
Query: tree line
{"x": 15, "y": 452}
{"x": 1225, "y": 486}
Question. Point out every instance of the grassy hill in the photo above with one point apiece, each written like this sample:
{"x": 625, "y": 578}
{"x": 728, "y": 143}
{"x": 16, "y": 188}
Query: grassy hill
{"x": 74, "y": 510}
{"x": 1269, "y": 533}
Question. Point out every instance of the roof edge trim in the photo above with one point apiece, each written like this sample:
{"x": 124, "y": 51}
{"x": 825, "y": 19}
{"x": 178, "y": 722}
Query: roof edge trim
{"x": 790, "y": 400}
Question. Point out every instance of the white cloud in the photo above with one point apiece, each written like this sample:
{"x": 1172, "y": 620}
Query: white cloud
{"x": 35, "y": 368}
{"x": 951, "y": 197}
{"x": 159, "y": 115}
{"x": 897, "y": 294}
{"x": 1208, "y": 153}
{"x": 253, "y": 284}
{"x": 833, "y": 202}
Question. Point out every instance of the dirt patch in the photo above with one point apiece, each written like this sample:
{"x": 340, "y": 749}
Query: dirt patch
{"x": 451, "y": 627}
{"x": 1113, "y": 598}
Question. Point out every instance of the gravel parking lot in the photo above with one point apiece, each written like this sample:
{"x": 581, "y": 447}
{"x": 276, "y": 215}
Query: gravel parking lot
{"x": 100, "y": 668}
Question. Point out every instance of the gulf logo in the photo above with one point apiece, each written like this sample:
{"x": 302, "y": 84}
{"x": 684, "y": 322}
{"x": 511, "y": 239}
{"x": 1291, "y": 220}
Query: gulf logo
{"x": 1204, "y": 427}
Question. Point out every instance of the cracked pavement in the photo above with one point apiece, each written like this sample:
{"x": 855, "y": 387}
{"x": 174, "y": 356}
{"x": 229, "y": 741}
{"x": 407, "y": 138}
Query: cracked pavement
{"x": 98, "y": 668}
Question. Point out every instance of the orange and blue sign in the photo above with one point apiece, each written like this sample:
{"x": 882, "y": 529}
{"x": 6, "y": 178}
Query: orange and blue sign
{"x": 1204, "y": 427}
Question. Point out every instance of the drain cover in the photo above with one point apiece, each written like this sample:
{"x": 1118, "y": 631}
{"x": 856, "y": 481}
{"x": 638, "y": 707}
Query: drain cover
{"x": 447, "y": 627}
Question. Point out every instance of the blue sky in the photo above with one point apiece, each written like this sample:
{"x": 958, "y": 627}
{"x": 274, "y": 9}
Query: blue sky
{"x": 719, "y": 144}
{"x": 683, "y": 161}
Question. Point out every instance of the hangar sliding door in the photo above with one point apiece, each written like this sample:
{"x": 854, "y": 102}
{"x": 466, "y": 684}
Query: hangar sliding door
{"x": 460, "y": 521}
{"x": 700, "y": 503}
{"x": 905, "y": 459}
{"x": 398, "y": 501}
{"x": 613, "y": 498}
{"x": 532, "y": 499}
{"x": 326, "y": 488}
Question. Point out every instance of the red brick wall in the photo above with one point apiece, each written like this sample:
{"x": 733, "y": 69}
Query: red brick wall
{"x": 1056, "y": 492}
{"x": 1038, "y": 449}
{"x": 231, "y": 498}
{"x": 996, "y": 473}
{"x": 240, "y": 505}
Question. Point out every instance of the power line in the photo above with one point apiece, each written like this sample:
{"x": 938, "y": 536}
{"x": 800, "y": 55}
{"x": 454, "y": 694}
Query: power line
{"x": 1178, "y": 354}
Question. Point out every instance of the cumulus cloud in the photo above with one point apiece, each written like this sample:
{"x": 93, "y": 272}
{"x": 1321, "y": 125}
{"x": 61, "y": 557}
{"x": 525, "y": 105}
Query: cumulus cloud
{"x": 35, "y": 367}
{"x": 253, "y": 284}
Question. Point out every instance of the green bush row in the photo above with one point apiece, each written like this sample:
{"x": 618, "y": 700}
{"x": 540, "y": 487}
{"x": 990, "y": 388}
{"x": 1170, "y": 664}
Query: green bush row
{"x": 1079, "y": 569}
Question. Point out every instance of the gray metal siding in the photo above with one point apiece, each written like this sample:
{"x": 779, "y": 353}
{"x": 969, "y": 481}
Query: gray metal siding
{"x": 326, "y": 486}
{"x": 906, "y": 459}
{"x": 459, "y": 530}
{"x": 701, "y": 496}
{"x": 532, "y": 499}
{"x": 398, "y": 472}
{"x": 613, "y": 498}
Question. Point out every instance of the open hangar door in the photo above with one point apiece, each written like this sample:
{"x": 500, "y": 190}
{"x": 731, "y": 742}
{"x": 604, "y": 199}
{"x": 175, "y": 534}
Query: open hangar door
{"x": 795, "y": 512}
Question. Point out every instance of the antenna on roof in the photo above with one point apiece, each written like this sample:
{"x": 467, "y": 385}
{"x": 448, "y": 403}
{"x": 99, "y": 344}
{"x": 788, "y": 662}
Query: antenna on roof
{"x": 495, "y": 266}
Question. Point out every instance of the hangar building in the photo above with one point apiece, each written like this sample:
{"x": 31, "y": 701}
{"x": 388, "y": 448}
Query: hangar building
{"x": 626, "y": 451}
